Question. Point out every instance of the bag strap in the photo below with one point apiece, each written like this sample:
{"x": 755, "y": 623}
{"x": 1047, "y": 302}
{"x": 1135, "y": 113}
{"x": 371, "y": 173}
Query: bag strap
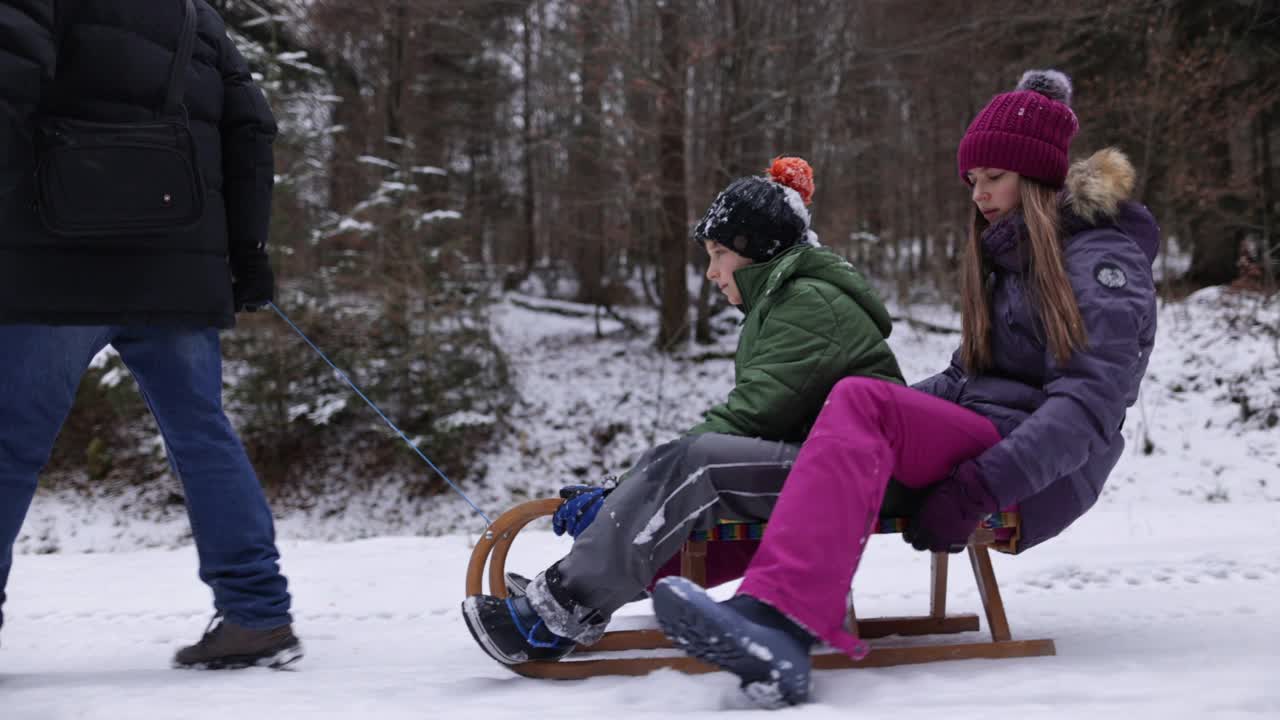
{"x": 181, "y": 60}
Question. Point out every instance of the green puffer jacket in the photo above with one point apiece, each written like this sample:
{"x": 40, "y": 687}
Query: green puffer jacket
{"x": 811, "y": 319}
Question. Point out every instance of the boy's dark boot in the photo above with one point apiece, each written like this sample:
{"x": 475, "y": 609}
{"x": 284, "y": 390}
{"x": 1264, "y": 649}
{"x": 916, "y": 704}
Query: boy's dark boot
{"x": 510, "y": 631}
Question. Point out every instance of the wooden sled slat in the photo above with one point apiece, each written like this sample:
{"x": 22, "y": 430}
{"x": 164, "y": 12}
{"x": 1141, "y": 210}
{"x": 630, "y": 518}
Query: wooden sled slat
{"x": 989, "y": 591}
{"x": 583, "y": 669}
{"x": 938, "y": 585}
{"x": 870, "y": 629}
{"x": 890, "y": 656}
{"x": 570, "y": 669}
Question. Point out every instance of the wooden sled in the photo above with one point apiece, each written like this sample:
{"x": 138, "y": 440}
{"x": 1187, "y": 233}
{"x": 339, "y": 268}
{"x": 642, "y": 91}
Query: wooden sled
{"x": 639, "y": 652}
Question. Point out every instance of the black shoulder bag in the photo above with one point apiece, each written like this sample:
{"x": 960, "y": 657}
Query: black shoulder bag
{"x": 104, "y": 179}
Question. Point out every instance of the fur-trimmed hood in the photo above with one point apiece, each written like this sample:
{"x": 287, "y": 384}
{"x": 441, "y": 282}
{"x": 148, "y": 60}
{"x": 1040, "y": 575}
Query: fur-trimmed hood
{"x": 1098, "y": 192}
{"x": 1098, "y": 184}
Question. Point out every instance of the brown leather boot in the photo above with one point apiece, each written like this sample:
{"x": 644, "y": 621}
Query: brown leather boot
{"x": 227, "y": 646}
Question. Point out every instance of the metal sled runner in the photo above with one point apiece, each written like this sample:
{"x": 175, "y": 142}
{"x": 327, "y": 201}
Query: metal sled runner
{"x": 631, "y": 652}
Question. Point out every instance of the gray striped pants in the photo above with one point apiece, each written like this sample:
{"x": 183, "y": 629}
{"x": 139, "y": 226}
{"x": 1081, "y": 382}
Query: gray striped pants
{"x": 688, "y": 484}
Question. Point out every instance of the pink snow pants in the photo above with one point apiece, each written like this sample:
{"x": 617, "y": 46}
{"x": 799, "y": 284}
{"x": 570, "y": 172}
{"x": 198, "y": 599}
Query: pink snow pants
{"x": 868, "y": 431}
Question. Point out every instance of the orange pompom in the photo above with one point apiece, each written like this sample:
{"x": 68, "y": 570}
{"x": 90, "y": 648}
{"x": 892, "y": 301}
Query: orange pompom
{"x": 796, "y": 174}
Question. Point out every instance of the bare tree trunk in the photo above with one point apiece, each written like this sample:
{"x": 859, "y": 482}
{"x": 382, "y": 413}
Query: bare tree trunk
{"x": 800, "y": 57}
{"x": 1161, "y": 39}
{"x": 530, "y": 166}
{"x": 585, "y": 160}
{"x": 703, "y": 329}
{"x": 388, "y": 262}
{"x": 345, "y": 176}
{"x": 396, "y": 41}
{"x": 729, "y": 79}
{"x": 643, "y": 207}
{"x": 1267, "y": 201}
{"x": 1215, "y": 243}
{"x": 674, "y": 247}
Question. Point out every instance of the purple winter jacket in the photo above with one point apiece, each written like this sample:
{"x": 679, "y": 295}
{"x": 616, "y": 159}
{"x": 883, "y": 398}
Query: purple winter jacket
{"x": 1061, "y": 423}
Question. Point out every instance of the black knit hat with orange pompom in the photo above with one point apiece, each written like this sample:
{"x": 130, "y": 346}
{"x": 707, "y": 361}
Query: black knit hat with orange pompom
{"x": 761, "y": 217}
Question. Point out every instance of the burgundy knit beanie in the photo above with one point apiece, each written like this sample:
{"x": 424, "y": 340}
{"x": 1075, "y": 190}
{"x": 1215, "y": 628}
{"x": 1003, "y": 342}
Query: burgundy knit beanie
{"x": 1027, "y": 131}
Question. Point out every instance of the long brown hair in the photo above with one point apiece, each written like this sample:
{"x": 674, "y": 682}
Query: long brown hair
{"x": 1050, "y": 288}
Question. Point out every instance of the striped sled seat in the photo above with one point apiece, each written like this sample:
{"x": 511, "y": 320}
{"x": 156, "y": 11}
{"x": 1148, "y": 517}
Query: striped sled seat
{"x": 639, "y": 652}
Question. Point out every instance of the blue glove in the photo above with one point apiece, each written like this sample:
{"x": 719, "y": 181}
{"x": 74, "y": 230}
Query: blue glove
{"x": 578, "y": 510}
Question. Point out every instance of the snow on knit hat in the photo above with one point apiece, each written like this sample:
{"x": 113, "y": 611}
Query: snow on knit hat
{"x": 761, "y": 217}
{"x": 1027, "y": 131}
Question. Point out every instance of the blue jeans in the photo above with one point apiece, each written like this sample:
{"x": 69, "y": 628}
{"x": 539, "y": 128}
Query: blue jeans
{"x": 179, "y": 372}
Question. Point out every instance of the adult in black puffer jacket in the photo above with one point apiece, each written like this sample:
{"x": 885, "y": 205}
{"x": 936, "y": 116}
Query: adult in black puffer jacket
{"x": 159, "y": 300}
{"x": 112, "y": 60}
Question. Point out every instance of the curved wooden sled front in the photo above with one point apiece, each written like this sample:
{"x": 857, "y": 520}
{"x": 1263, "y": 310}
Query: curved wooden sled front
{"x": 495, "y": 545}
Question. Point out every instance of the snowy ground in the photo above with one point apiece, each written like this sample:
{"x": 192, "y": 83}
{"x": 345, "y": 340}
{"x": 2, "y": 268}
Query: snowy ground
{"x": 1164, "y": 600}
{"x": 1170, "y": 613}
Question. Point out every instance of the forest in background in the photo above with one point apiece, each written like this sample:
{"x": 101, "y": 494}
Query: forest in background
{"x": 436, "y": 153}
